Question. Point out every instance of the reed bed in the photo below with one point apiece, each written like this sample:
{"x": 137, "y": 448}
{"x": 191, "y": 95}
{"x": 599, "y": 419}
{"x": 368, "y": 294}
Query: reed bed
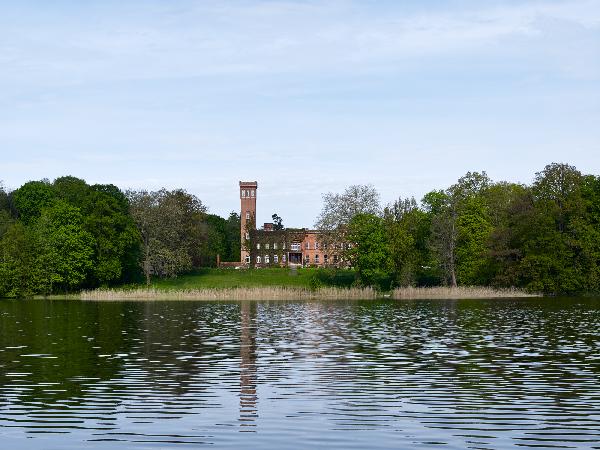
{"x": 461, "y": 292}
{"x": 256, "y": 293}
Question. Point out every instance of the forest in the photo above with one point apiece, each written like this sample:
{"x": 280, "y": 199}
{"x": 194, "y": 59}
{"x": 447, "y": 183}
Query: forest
{"x": 66, "y": 235}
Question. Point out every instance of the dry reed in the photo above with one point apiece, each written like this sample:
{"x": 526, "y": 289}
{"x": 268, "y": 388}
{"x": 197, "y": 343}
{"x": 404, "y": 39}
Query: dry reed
{"x": 461, "y": 292}
{"x": 257, "y": 293}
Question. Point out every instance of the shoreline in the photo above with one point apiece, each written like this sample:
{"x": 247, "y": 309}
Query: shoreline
{"x": 292, "y": 293}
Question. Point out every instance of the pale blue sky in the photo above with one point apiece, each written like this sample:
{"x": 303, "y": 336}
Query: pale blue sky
{"x": 304, "y": 96}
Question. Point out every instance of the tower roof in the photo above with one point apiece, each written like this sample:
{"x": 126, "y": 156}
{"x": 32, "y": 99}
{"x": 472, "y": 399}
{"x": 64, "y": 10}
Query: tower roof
{"x": 253, "y": 184}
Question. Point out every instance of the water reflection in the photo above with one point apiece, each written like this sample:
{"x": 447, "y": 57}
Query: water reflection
{"x": 248, "y": 395}
{"x": 459, "y": 374}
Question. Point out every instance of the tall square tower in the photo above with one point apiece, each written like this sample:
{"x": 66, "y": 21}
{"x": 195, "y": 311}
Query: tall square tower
{"x": 247, "y": 215}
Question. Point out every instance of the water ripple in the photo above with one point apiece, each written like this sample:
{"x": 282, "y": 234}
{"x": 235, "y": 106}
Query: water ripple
{"x": 385, "y": 374}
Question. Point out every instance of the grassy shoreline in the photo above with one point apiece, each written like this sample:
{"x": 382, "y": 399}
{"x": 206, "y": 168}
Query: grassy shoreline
{"x": 276, "y": 284}
{"x": 460, "y": 292}
{"x": 252, "y": 293}
{"x": 298, "y": 293}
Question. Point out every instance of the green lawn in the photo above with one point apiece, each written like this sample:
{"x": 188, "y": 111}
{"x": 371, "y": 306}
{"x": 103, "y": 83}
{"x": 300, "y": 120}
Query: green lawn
{"x": 230, "y": 278}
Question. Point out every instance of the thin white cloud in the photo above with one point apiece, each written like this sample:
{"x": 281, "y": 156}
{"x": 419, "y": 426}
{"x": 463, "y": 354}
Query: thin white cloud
{"x": 304, "y": 96}
{"x": 266, "y": 37}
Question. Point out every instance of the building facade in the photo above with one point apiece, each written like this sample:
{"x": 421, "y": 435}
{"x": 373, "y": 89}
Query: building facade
{"x": 268, "y": 247}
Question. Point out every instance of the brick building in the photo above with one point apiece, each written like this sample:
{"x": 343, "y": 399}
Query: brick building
{"x": 267, "y": 246}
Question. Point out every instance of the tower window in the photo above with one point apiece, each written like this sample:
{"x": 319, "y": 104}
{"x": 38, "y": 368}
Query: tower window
{"x": 247, "y": 215}
{"x": 247, "y": 236}
{"x": 243, "y": 193}
{"x": 252, "y": 192}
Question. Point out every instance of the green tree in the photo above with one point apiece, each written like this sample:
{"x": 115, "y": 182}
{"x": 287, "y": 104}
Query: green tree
{"x": 5, "y": 216}
{"x": 4, "y": 199}
{"x": 473, "y": 227}
{"x": 369, "y": 253}
{"x": 31, "y": 198}
{"x": 277, "y": 222}
{"x": 460, "y": 229}
{"x": 74, "y": 191}
{"x": 65, "y": 249}
{"x": 509, "y": 204}
{"x": 171, "y": 225}
{"x": 442, "y": 212}
{"x": 551, "y": 232}
{"x": 116, "y": 238}
{"x": 19, "y": 270}
{"x": 337, "y": 212}
{"x": 407, "y": 231}
{"x": 232, "y": 233}
{"x": 216, "y": 240}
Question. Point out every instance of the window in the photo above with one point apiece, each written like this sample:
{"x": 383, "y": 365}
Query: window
{"x": 257, "y": 246}
{"x": 247, "y": 236}
{"x": 243, "y": 193}
{"x": 324, "y": 246}
{"x": 274, "y": 245}
{"x": 247, "y": 259}
{"x": 316, "y": 245}
{"x": 283, "y": 246}
{"x": 295, "y": 246}
{"x": 335, "y": 258}
{"x": 307, "y": 259}
{"x": 267, "y": 246}
{"x": 325, "y": 259}
{"x": 258, "y": 260}
{"x": 275, "y": 259}
{"x": 252, "y": 192}
{"x": 283, "y": 258}
{"x": 266, "y": 259}
{"x": 307, "y": 245}
{"x": 247, "y": 215}
{"x": 316, "y": 259}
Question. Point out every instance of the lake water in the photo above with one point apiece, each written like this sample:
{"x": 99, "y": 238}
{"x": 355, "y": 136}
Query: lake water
{"x": 276, "y": 375}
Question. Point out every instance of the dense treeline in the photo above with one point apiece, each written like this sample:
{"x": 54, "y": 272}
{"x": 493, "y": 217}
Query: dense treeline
{"x": 67, "y": 235}
{"x": 542, "y": 237}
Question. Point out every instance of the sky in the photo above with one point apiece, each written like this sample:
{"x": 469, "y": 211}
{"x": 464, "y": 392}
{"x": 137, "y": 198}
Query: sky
{"x": 305, "y": 97}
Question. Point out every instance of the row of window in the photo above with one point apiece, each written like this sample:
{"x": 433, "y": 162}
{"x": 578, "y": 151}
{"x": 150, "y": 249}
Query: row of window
{"x": 275, "y": 247}
{"x": 297, "y": 247}
{"x": 267, "y": 259}
{"x": 247, "y": 193}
